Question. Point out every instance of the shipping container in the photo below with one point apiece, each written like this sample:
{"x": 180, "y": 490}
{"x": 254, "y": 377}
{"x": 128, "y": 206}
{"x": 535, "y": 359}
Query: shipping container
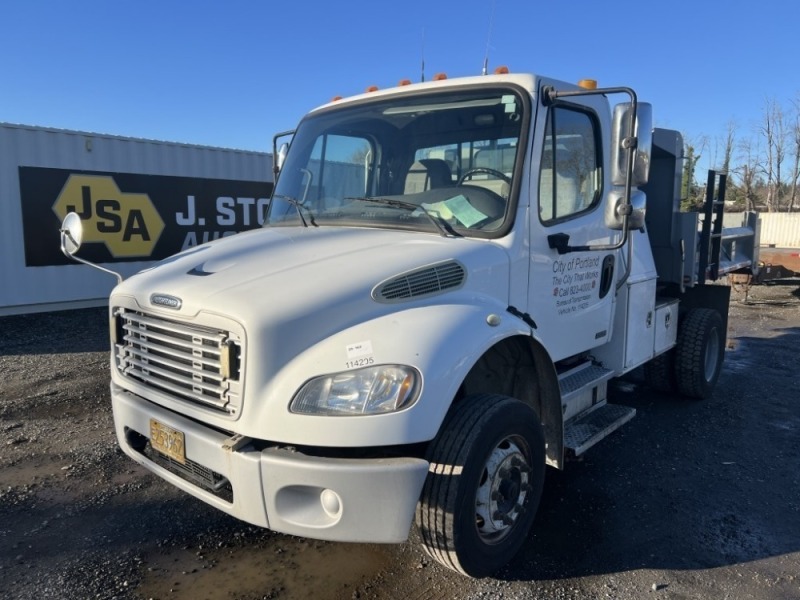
{"x": 778, "y": 230}
{"x": 140, "y": 201}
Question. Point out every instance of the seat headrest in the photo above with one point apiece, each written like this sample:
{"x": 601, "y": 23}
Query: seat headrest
{"x": 426, "y": 174}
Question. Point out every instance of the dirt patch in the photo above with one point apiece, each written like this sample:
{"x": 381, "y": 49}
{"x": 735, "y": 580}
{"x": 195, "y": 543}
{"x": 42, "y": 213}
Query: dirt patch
{"x": 689, "y": 500}
{"x": 285, "y": 567}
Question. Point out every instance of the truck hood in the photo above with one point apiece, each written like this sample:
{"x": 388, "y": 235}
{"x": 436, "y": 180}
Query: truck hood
{"x": 312, "y": 268}
{"x": 298, "y": 300}
{"x": 292, "y": 287}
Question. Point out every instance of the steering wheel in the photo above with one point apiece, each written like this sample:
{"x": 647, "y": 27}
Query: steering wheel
{"x": 487, "y": 170}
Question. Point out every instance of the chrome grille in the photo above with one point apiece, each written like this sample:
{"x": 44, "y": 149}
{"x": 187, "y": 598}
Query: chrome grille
{"x": 423, "y": 282}
{"x": 187, "y": 361}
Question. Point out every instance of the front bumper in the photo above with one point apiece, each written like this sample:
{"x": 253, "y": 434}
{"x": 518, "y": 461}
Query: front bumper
{"x": 351, "y": 500}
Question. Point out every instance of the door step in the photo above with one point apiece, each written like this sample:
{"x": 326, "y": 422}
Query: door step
{"x": 579, "y": 379}
{"x": 588, "y": 428}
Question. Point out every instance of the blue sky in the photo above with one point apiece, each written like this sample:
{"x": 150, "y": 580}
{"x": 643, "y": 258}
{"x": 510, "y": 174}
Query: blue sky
{"x": 234, "y": 73}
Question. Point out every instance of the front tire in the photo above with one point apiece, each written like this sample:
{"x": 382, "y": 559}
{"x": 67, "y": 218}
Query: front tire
{"x": 484, "y": 485}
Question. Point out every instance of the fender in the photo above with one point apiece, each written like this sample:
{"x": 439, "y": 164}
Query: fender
{"x": 442, "y": 341}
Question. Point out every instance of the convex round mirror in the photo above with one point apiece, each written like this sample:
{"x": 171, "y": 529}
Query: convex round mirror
{"x": 71, "y": 237}
{"x": 71, "y": 234}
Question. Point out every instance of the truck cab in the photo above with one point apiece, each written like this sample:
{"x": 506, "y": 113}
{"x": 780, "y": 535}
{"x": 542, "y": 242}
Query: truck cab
{"x": 449, "y": 275}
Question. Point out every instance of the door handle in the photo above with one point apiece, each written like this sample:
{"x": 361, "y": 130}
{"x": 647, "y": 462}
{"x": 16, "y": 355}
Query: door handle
{"x": 606, "y": 275}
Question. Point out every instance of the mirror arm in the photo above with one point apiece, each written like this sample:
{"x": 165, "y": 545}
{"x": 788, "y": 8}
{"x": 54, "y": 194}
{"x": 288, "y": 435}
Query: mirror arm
{"x": 65, "y": 233}
{"x": 86, "y": 262}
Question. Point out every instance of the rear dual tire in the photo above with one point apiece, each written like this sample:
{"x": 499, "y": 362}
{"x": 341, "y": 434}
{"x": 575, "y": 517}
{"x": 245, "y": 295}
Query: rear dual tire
{"x": 693, "y": 366}
{"x": 699, "y": 353}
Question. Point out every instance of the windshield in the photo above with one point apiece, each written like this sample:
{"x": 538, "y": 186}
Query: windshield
{"x": 442, "y": 163}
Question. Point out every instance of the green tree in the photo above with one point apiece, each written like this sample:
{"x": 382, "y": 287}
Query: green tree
{"x": 689, "y": 189}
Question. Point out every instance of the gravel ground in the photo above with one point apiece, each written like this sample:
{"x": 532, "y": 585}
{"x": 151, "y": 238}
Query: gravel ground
{"x": 690, "y": 500}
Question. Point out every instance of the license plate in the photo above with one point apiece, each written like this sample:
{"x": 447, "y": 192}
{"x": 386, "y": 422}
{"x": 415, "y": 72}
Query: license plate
{"x": 167, "y": 441}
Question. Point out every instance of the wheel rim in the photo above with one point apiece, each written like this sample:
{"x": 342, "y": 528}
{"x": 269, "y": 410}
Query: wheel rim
{"x": 712, "y": 355}
{"x": 503, "y": 489}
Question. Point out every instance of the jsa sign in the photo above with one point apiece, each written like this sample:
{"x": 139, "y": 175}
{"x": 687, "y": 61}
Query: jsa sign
{"x": 130, "y": 216}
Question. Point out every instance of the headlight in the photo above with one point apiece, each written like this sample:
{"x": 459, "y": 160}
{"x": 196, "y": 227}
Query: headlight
{"x": 374, "y": 390}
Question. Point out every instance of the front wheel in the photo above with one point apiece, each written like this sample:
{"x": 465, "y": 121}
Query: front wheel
{"x": 484, "y": 484}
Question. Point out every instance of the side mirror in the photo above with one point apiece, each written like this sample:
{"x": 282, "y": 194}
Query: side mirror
{"x": 620, "y": 131}
{"x": 281, "y": 158}
{"x": 71, "y": 234}
{"x": 616, "y": 206}
{"x": 71, "y": 238}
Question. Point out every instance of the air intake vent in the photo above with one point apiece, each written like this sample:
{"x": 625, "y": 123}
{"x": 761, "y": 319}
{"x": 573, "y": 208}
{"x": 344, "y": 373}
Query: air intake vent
{"x": 423, "y": 282}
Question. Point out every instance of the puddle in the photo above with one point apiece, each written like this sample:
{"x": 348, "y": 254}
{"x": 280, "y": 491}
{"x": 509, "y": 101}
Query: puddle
{"x": 287, "y": 568}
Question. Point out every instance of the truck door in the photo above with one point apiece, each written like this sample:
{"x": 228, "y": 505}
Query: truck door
{"x": 571, "y": 296}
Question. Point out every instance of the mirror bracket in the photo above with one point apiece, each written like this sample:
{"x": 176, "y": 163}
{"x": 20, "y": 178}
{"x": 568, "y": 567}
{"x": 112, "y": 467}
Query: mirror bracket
{"x": 71, "y": 238}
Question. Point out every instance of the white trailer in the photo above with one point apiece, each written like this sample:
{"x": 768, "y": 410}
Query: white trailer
{"x": 147, "y": 201}
{"x": 449, "y": 275}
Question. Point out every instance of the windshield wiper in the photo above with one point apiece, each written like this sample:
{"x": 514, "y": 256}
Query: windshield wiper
{"x": 300, "y": 208}
{"x": 444, "y": 229}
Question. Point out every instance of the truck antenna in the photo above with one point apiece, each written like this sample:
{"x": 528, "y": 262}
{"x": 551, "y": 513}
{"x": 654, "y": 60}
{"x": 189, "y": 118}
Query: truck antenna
{"x": 422, "y": 54}
{"x": 485, "y": 69}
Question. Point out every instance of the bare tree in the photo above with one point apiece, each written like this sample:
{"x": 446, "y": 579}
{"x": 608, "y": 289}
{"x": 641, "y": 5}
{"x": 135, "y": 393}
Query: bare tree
{"x": 722, "y": 145}
{"x": 780, "y": 153}
{"x": 747, "y": 171}
{"x": 767, "y": 130}
{"x": 795, "y": 137}
{"x": 773, "y": 131}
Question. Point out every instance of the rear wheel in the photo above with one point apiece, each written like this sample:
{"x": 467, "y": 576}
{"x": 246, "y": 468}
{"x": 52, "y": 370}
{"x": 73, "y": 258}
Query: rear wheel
{"x": 699, "y": 353}
{"x": 484, "y": 485}
{"x": 659, "y": 373}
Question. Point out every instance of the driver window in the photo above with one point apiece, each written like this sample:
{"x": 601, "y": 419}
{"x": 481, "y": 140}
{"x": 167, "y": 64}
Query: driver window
{"x": 569, "y": 179}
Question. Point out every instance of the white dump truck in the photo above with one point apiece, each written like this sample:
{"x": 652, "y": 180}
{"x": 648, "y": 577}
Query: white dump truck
{"x": 449, "y": 275}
